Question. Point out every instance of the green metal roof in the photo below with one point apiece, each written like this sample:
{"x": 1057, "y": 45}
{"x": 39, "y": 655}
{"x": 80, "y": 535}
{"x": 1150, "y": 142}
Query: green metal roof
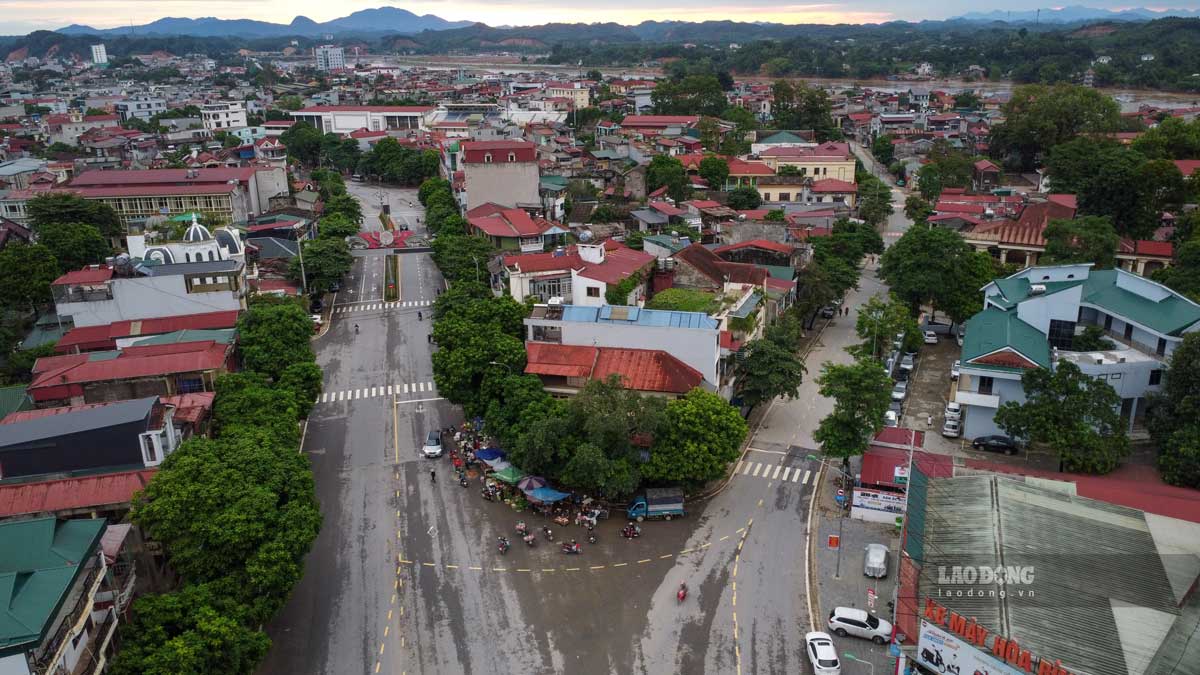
{"x": 666, "y": 241}
{"x": 222, "y": 336}
{"x": 39, "y": 563}
{"x": 781, "y": 137}
{"x": 1168, "y": 316}
{"x": 785, "y": 272}
{"x": 1016, "y": 289}
{"x": 13, "y": 399}
{"x": 993, "y": 330}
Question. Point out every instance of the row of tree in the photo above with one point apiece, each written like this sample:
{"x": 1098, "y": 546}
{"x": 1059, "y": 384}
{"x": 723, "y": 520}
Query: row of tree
{"x": 387, "y": 160}
{"x": 235, "y": 513}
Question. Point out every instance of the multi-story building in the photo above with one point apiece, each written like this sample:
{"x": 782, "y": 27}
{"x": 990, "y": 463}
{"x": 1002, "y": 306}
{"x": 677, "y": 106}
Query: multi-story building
{"x": 828, "y": 160}
{"x": 140, "y": 107}
{"x": 501, "y": 172}
{"x": 330, "y": 58}
{"x": 99, "y": 55}
{"x": 223, "y": 115}
{"x": 1030, "y": 320}
{"x": 582, "y": 274}
{"x": 578, "y": 93}
{"x": 343, "y": 119}
{"x": 62, "y": 597}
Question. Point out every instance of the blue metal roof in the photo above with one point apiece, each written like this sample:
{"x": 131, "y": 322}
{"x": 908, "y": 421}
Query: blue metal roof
{"x": 639, "y": 316}
{"x": 747, "y": 306}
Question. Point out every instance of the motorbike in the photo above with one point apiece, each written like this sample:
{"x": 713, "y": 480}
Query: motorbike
{"x": 529, "y": 539}
{"x": 631, "y": 531}
{"x": 571, "y": 548}
{"x": 487, "y": 494}
{"x": 522, "y": 528}
{"x": 682, "y": 594}
{"x": 549, "y": 534}
{"x": 591, "y": 536}
{"x": 462, "y": 479}
{"x": 502, "y": 545}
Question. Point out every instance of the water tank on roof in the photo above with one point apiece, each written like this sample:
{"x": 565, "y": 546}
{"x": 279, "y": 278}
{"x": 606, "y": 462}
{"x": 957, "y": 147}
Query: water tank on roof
{"x": 585, "y": 235}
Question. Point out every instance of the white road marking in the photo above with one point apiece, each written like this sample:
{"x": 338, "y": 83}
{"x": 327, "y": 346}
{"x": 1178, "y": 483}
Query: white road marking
{"x": 389, "y": 390}
{"x": 739, "y": 466}
{"x": 757, "y": 467}
{"x": 777, "y": 469}
{"x": 406, "y": 388}
{"x": 806, "y": 475}
{"x": 786, "y": 472}
{"x": 747, "y": 469}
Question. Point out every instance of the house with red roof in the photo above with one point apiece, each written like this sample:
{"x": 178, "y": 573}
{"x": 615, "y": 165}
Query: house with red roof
{"x": 513, "y": 229}
{"x": 565, "y": 369}
{"x": 796, "y": 189}
{"x": 656, "y": 124}
{"x": 827, "y": 160}
{"x": 582, "y": 273}
{"x": 121, "y": 333}
{"x": 502, "y": 172}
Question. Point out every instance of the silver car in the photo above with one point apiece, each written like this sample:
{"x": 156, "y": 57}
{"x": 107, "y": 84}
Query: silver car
{"x": 875, "y": 561}
{"x": 900, "y": 391}
{"x": 845, "y": 621}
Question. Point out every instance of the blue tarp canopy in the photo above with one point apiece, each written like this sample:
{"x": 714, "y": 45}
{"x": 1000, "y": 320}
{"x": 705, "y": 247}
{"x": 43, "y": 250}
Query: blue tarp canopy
{"x": 497, "y": 464}
{"x": 489, "y": 453}
{"x": 547, "y": 495}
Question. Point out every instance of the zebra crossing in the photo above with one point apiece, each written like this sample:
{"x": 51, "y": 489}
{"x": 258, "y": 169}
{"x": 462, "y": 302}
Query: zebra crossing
{"x": 422, "y": 390}
{"x": 773, "y": 472}
{"x": 376, "y": 306}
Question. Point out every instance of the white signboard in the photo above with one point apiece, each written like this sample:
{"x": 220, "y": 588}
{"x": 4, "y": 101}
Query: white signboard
{"x": 876, "y": 506}
{"x": 946, "y": 654}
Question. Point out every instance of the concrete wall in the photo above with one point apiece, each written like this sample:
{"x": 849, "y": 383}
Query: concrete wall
{"x": 265, "y": 184}
{"x": 979, "y": 420}
{"x": 1039, "y": 310}
{"x": 507, "y": 184}
{"x": 148, "y": 298}
{"x": 14, "y": 665}
{"x": 579, "y": 295}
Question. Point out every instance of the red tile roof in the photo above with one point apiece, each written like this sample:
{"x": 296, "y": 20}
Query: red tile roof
{"x": 639, "y": 369}
{"x": 618, "y": 264}
{"x": 667, "y": 209}
{"x": 944, "y": 207}
{"x": 1069, "y": 201}
{"x": 1159, "y": 249}
{"x": 366, "y": 108}
{"x": 778, "y": 247}
{"x": 107, "y": 335}
{"x": 87, "y": 275}
{"x": 833, "y": 185}
{"x": 739, "y": 167}
{"x": 68, "y": 494}
{"x": 1187, "y": 166}
{"x": 707, "y": 263}
{"x": 54, "y": 375}
{"x": 510, "y": 223}
{"x": 161, "y": 177}
{"x": 661, "y": 121}
{"x": 827, "y": 149}
{"x": 985, "y": 165}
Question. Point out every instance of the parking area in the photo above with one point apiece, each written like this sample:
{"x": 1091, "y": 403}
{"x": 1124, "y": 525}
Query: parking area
{"x": 929, "y": 389}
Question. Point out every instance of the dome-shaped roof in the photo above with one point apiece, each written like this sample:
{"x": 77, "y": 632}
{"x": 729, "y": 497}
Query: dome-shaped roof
{"x": 228, "y": 241}
{"x": 159, "y": 254}
{"x": 196, "y": 232}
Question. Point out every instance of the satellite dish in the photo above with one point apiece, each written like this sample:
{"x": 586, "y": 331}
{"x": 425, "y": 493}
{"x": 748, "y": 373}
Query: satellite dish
{"x": 387, "y": 238}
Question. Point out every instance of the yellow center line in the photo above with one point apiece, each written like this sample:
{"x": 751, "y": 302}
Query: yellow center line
{"x": 396, "y": 431}
{"x": 393, "y": 598}
{"x": 572, "y": 569}
{"x": 706, "y": 544}
{"x": 522, "y": 569}
{"x": 398, "y": 534}
{"x": 597, "y": 567}
{"x": 385, "y": 630}
{"x": 548, "y": 569}
{"x": 377, "y": 665}
{"x": 427, "y": 564}
{"x": 389, "y": 615}
{"x": 401, "y": 610}
{"x": 620, "y": 564}
{"x": 402, "y": 640}
{"x": 741, "y": 530}
{"x": 398, "y": 568}
{"x": 686, "y": 550}
{"x": 451, "y": 567}
{"x": 724, "y": 538}
{"x": 760, "y": 502}
{"x": 397, "y": 491}
{"x": 499, "y": 569}
{"x": 396, "y": 584}
{"x": 472, "y": 567}
{"x": 735, "y": 599}
{"x": 381, "y": 646}
{"x": 397, "y": 513}
{"x": 665, "y": 556}
{"x": 749, "y": 523}
{"x": 644, "y": 560}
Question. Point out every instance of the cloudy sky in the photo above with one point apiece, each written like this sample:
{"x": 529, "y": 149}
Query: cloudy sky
{"x": 22, "y": 16}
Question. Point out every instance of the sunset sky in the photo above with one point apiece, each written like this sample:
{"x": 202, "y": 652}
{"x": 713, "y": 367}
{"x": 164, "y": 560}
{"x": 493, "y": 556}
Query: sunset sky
{"x": 22, "y": 16}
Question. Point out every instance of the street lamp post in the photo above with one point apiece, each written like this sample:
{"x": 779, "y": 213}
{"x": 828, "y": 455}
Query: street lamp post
{"x": 855, "y": 658}
{"x": 837, "y": 568}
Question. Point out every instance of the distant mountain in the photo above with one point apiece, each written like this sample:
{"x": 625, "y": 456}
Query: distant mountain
{"x": 1075, "y": 14}
{"x": 379, "y": 20}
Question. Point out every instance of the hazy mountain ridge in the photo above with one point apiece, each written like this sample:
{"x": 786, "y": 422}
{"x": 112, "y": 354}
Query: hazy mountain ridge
{"x": 378, "y": 20}
{"x": 1076, "y": 13}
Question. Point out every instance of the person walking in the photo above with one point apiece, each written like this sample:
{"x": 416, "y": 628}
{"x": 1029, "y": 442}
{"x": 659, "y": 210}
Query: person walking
{"x": 432, "y": 476}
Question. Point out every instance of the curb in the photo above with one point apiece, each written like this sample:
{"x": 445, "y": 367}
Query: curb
{"x": 326, "y": 318}
{"x": 750, "y": 437}
{"x": 814, "y": 601}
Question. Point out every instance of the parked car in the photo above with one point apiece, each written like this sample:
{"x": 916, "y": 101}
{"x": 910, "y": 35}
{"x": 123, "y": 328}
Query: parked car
{"x": 433, "y": 445}
{"x": 317, "y": 321}
{"x": 952, "y": 428}
{"x": 828, "y": 311}
{"x": 931, "y": 337}
{"x": 900, "y": 391}
{"x": 897, "y": 406}
{"x": 995, "y": 443}
{"x": 908, "y": 362}
{"x": 822, "y": 654}
{"x": 845, "y": 621}
{"x": 958, "y": 337}
{"x": 954, "y": 370}
{"x": 875, "y": 560}
{"x": 898, "y": 341}
{"x": 316, "y": 304}
{"x": 891, "y": 419}
{"x": 953, "y": 410}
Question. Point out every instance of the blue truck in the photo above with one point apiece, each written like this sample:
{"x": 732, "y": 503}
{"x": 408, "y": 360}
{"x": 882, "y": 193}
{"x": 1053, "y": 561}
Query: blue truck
{"x": 665, "y": 503}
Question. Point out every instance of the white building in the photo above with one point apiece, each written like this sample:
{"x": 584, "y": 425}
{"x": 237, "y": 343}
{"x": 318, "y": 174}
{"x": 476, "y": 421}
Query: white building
{"x": 501, "y": 172}
{"x": 202, "y": 273}
{"x": 140, "y": 107}
{"x": 692, "y": 337}
{"x": 1031, "y": 318}
{"x": 343, "y": 119}
{"x": 99, "y": 55}
{"x": 329, "y": 58}
{"x": 223, "y": 115}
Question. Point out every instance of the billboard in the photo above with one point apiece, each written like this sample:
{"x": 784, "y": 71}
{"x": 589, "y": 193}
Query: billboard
{"x": 942, "y": 652}
{"x": 876, "y": 505}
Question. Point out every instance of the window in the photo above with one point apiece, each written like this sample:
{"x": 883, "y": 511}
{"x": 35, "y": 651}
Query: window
{"x": 985, "y": 385}
{"x": 1107, "y": 322}
{"x": 785, "y": 196}
{"x": 512, "y": 156}
{"x": 1155, "y": 377}
{"x": 1115, "y": 376}
{"x": 1161, "y": 349}
{"x": 190, "y": 385}
{"x": 487, "y": 158}
{"x": 1128, "y": 331}
{"x": 593, "y": 291}
{"x": 1061, "y": 333}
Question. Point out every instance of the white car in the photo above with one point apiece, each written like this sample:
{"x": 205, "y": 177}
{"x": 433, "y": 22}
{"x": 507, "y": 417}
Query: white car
{"x": 433, "y": 445}
{"x": 931, "y": 337}
{"x": 875, "y": 561}
{"x": 954, "y": 370}
{"x": 952, "y": 429}
{"x": 953, "y": 410}
{"x": 822, "y": 654}
{"x": 900, "y": 391}
{"x": 891, "y": 419}
{"x": 845, "y": 621}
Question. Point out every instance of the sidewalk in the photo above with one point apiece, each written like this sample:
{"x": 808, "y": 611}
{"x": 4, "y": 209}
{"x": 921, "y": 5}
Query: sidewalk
{"x": 842, "y": 583}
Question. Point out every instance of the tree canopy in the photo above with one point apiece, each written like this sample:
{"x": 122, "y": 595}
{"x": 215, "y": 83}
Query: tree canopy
{"x": 934, "y": 266}
{"x": 73, "y": 245}
{"x": 273, "y": 335}
{"x": 861, "y": 393}
{"x": 26, "y": 271}
{"x": 700, "y": 434}
{"x": 1090, "y": 239}
{"x": 64, "y": 207}
{"x": 1173, "y": 415}
{"x": 1039, "y": 117}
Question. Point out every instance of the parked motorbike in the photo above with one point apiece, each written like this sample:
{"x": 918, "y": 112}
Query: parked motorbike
{"x": 502, "y": 545}
{"x": 631, "y": 531}
{"x": 522, "y": 528}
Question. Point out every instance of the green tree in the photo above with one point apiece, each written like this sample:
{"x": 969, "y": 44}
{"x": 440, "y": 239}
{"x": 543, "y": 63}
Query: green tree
{"x": 462, "y": 258}
{"x": 874, "y": 199}
{"x": 289, "y": 103}
{"x": 1184, "y": 275}
{"x": 934, "y": 266}
{"x": 917, "y": 209}
{"x": 274, "y": 335}
{"x": 303, "y": 380}
{"x": 967, "y": 99}
{"x": 303, "y": 143}
{"x": 1173, "y": 415}
{"x": 1081, "y": 240}
{"x": 669, "y": 172}
{"x": 765, "y": 370}
{"x": 879, "y": 320}
{"x": 346, "y": 205}
{"x": 699, "y": 436}
{"x": 431, "y": 186}
{"x": 1173, "y": 138}
{"x": 1039, "y": 117}
{"x": 883, "y": 150}
{"x": 1074, "y": 414}
{"x": 466, "y": 356}
{"x": 26, "y": 271}
{"x": 692, "y": 95}
{"x": 73, "y": 245}
{"x": 861, "y": 394}
{"x": 715, "y": 171}
{"x": 64, "y": 207}
{"x": 337, "y": 226}
{"x": 744, "y": 199}
{"x": 326, "y": 261}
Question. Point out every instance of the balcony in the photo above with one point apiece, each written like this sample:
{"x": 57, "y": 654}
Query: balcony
{"x": 1124, "y": 343}
{"x": 53, "y": 648}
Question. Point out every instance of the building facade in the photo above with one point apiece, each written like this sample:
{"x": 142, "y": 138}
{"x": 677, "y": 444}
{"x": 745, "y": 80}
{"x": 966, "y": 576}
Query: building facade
{"x": 343, "y": 119}
{"x": 99, "y": 55}
{"x": 501, "y": 172}
{"x": 223, "y": 115}
{"x": 330, "y": 58}
{"x": 140, "y": 107}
